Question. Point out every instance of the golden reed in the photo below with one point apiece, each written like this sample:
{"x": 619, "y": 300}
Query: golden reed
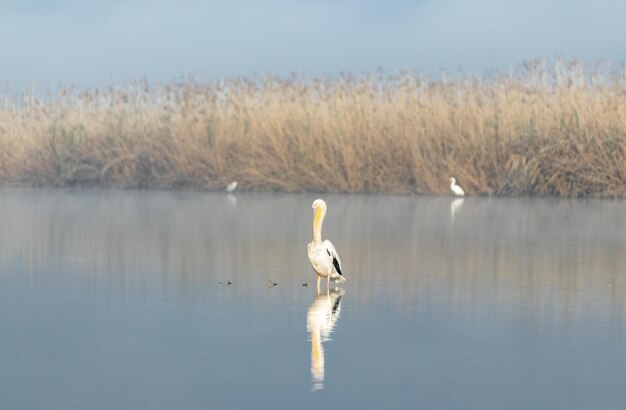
{"x": 559, "y": 131}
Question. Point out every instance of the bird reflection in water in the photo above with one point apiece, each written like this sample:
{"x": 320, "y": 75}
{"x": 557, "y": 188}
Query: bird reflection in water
{"x": 320, "y": 321}
{"x": 455, "y": 206}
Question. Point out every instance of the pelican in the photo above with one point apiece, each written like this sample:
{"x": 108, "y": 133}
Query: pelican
{"x": 458, "y": 191}
{"x": 322, "y": 254}
{"x": 230, "y": 188}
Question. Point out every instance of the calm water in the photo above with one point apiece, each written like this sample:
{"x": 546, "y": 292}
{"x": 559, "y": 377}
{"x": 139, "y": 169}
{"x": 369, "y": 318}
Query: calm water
{"x": 113, "y": 300}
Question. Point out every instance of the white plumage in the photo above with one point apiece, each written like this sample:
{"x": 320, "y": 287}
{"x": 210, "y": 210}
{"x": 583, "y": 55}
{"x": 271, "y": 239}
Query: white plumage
{"x": 322, "y": 254}
{"x": 457, "y": 190}
{"x": 231, "y": 187}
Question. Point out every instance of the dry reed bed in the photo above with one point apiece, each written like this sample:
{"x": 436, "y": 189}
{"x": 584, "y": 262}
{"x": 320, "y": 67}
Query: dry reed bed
{"x": 536, "y": 132}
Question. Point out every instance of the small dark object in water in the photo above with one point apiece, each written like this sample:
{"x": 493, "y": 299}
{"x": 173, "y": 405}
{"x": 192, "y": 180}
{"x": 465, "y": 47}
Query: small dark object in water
{"x": 229, "y": 283}
{"x": 272, "y": 283}
{"x": 305, "y": 285}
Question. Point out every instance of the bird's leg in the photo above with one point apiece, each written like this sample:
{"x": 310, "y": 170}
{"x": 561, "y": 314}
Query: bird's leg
{"x": 319, "y": 278}
{"x": 328, "y": 284}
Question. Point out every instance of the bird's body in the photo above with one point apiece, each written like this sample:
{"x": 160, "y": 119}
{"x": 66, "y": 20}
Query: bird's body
{"x": 325, "y": 260}
{"x": 231, "y": 187}
{"x": 457, "y": 190}
{"x": 322, "y": 254}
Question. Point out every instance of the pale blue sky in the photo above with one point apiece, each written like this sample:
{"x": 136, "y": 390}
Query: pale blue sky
{"x": 92, "y": 42}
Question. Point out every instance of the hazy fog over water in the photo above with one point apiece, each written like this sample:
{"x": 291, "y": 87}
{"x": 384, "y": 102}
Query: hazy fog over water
{"x": 94, "y": 43}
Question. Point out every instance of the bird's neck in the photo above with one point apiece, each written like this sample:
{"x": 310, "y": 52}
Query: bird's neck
{"x": 318, "y": 219}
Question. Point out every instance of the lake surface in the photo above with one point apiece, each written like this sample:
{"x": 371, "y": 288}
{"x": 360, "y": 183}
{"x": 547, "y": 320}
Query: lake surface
{"x": 120, "y": 300}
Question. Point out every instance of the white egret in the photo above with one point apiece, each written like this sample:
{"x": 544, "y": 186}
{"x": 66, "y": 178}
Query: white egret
{"x": 322, "y": 254}
{"x": 458, "y": 191}
{"x": 231, "y": 187}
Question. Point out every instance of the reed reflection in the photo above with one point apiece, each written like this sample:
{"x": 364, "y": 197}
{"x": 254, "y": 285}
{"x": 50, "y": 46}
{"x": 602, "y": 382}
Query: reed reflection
{"x": 321, "y": 318}
{"x": 523, "y": 255}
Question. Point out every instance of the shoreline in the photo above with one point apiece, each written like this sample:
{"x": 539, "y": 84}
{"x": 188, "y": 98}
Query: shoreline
{"x": 297, "y": 193}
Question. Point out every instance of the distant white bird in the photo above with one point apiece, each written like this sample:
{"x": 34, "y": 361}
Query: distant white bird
{"x": 458, "y": 191}
{"x": 231, "y": 187}
{"x": 322, "y": 254}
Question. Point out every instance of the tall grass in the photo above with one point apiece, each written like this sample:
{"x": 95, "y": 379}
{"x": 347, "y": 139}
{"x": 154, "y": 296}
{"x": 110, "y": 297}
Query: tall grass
{"x": 537, "y": 131}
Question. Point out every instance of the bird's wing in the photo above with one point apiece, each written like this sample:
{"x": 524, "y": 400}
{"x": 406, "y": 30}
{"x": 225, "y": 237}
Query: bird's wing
{"x": 333, "y": 255}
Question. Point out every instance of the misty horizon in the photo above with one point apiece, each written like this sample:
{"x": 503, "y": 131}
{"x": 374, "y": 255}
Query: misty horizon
{"x": 94, "y": 44}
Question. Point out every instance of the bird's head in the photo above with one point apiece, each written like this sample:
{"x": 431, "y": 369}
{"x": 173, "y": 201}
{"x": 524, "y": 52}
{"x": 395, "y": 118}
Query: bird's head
{"x": 452, "y": 180}
{"x": 319, "y": 203}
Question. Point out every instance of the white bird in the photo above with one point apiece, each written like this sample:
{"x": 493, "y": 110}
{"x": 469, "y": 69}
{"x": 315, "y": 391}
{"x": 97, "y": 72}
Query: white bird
{"x": 322, "y": 254}
{"x": 458, "y": 191}
{"x": 231, "y": 187}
